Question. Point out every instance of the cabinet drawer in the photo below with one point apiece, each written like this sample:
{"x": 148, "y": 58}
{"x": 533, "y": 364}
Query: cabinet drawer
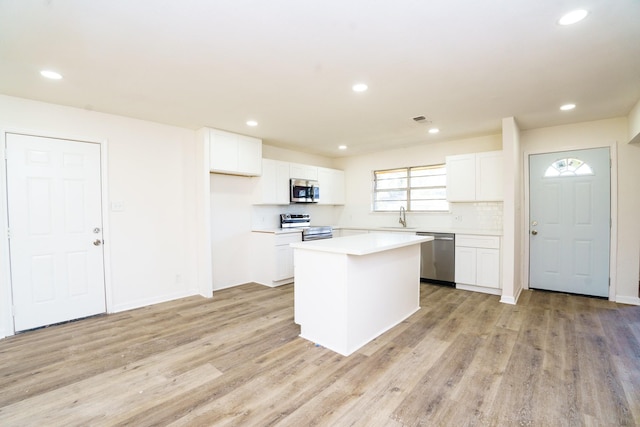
{"x": 285, "y": 239}
{"x": 472, "y": 241}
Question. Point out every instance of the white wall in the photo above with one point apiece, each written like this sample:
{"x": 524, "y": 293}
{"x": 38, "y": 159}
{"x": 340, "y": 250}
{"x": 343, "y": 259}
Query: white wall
{"x": 512, "y": 231}
{"x": 231, "y": 199}
{"x": 151, "y": 170}
{"x": 596, "y": 134}
{"x": 285, "y": 155}
{"x": 634, "y": 124}
{"x": 358, "y": 178}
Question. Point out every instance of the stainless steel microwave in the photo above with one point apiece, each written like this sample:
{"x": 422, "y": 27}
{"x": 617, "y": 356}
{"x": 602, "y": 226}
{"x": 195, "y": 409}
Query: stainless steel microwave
{"x": 304, "y": 191}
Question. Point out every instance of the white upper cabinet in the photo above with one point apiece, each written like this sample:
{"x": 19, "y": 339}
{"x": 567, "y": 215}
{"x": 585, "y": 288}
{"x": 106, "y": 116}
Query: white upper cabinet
{"x": 300, "y": 171}
{"x": 273, "y": 187}
{"x": 461, "y": 177}
{"x": 475, "y": 177}
{"x": 331, "y": 183}
{"x": 489, "y": 183}
{"x": 234, "y": 154}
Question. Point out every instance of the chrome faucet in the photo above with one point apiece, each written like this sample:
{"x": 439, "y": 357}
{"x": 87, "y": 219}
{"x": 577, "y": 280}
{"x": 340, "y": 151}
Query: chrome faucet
{"x": 403, "y": 216}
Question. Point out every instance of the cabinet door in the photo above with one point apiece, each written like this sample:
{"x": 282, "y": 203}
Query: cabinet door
{"x": 489, "y": 176}
{"x": 223, "y": 151}
{"x": 465, "y": 265}
{"x": 282, "y": 183}
{"x": 274, "y": 183}
{"x": 488, "y": 268}
{"x": 461, "y": 178}
{"x": 249, "y": 155}
{"x": 284, "y": 262}
{"x": 300, "y": 171}
{"x": 325, "y": 181}
{"x": 331, "y": 182}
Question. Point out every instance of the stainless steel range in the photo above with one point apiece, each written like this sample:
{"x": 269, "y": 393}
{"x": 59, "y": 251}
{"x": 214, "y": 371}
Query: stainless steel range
{"x": 317, "y": 233}
{"x": 303, "y": 221}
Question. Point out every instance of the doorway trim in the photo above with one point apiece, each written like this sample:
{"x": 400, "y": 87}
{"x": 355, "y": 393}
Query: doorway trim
{"x": 613, "y": 214}
{"x": 6, "y": 307}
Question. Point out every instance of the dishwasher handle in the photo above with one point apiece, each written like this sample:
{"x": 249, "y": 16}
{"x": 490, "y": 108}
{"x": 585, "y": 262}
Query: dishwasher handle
{"x": 436, "y": 236}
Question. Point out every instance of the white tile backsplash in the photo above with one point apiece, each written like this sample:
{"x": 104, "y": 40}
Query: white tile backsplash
{"x": 479, "y": 215}
{"x": 462, "y": 216}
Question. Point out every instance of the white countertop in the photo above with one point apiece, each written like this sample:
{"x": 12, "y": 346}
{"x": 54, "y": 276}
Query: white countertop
{"x": 277, "y": 230}
{"x": 424, "y": 230}
{"x": 362, "y": 244}
{"x": 409, "y": 230}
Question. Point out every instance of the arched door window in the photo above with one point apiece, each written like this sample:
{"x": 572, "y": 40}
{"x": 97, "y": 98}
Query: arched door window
{"x": 568, "y": 167}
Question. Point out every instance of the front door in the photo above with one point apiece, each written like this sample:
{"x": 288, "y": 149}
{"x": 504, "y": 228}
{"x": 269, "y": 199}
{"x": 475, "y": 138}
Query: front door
{"x": 55, "y": 230}
{"x": 569, "y": 214}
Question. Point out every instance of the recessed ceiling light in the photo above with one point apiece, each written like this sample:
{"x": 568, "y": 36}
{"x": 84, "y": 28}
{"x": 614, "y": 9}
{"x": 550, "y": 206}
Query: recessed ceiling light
{"x": 573, "y": 17}
{"x": 360, "y": 87}
{"x": 434, "y": 130}
{"x": 567, "y": 107}
{"x": 252, "y": 123}
{"x": 51, "y": 74}
{"x": 342, "y": 147}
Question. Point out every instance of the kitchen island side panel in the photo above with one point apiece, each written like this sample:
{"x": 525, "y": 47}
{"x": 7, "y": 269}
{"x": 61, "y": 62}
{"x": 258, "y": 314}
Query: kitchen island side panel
{"x": 320, "y": 297}
{"x": 344, "y": 301}
{"x": 384, "y": 289}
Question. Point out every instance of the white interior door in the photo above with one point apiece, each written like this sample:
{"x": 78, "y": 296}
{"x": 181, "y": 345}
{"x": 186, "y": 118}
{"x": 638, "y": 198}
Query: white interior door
{"x": 569, "y": 204}
{"x": 55, "y": 230}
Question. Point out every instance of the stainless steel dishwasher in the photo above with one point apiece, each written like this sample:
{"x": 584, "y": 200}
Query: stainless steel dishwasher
{"x": 437, "y": 259}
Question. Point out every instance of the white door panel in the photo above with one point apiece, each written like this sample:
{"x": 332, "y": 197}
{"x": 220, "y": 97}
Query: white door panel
{"x": 570, "y": 222}
{"x": 54, "y": 199}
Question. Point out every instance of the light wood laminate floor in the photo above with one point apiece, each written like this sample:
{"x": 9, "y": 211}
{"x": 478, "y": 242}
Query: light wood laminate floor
{"x": 236, "y": 359}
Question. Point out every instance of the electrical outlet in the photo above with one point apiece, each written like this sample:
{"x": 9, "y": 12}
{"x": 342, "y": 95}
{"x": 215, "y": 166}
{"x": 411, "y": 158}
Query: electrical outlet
{"x": 117, "y": 206}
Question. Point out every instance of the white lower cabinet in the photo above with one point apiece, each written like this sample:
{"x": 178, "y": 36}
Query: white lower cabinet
{"x": 284, "y": 262}
{"x": 478, "y": 263}
{"x": 465, "y": 267}
{"x": 488, "y": 268}
{"x": 272, "y": 257}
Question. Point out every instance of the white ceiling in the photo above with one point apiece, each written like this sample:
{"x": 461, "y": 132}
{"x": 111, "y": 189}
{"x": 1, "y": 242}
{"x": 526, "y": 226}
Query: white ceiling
{"x": 290, "y": 64}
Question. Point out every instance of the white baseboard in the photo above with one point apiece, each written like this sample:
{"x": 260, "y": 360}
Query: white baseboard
{"x": 508, "y": 300}
{"x": 151, "y": 301}
{"x": 492, "y": 291}
{"x": 627, "y": 300}
{"x": 272, "y": 283}
{"x": 511, "y": 300}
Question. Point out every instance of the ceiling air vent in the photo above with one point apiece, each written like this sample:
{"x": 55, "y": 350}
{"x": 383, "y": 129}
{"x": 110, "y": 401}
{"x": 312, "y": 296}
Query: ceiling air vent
{"x": 421, "y": 119}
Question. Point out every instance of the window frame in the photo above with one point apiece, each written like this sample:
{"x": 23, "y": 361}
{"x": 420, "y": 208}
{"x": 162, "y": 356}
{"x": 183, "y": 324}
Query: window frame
{"x": 409, "y": 201}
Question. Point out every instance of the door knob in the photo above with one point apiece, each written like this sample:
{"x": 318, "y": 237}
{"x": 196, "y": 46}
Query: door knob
{"x": 534, "y": 232}
{"x": 97, "y": 242}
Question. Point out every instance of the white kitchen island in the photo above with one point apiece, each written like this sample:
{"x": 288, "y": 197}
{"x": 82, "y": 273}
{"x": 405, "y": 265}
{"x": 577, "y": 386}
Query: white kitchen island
{"x": 349, "y": 290}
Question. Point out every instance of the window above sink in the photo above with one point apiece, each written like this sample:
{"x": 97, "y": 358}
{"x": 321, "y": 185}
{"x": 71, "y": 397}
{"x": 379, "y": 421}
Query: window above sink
{"x": 418, "y": 189}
